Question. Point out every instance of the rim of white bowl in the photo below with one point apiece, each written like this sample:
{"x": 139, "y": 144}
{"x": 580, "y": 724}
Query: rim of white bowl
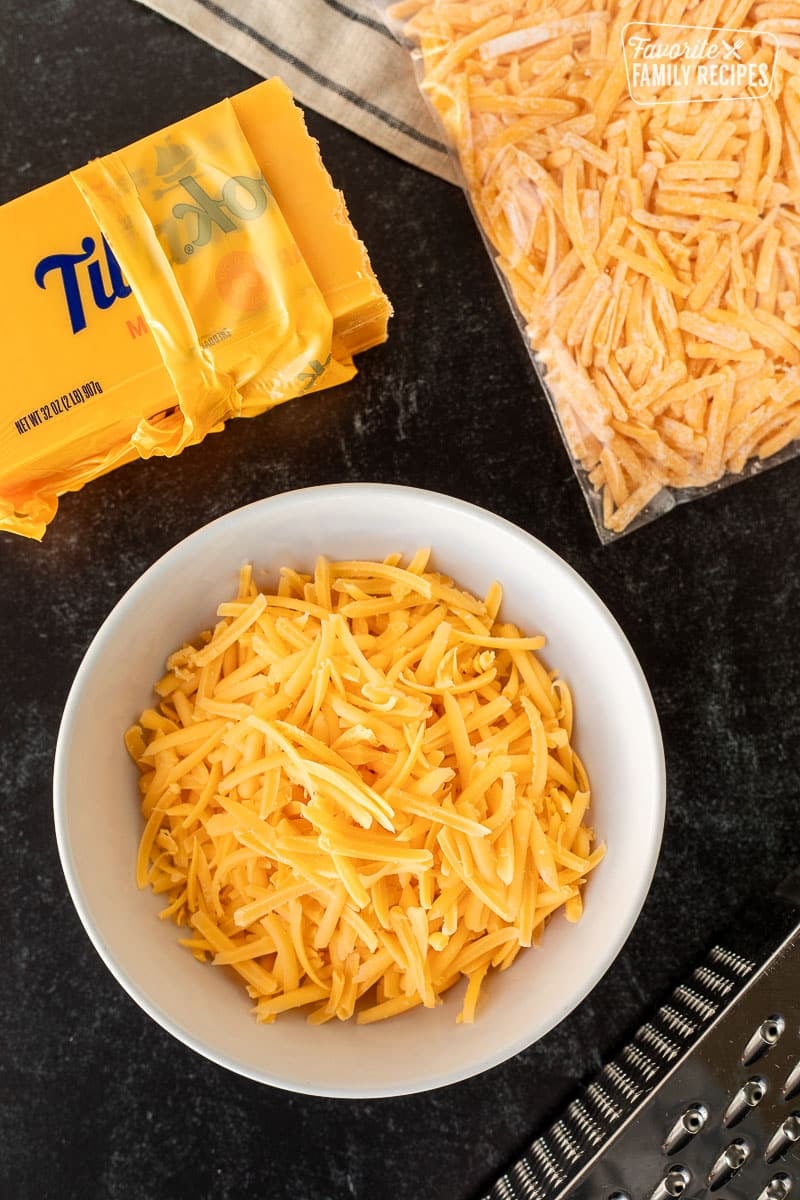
{"x": 117, "y": 613}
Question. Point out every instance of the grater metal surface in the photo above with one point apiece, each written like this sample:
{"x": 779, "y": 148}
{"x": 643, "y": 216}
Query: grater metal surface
{"x": 703, "y": 1102}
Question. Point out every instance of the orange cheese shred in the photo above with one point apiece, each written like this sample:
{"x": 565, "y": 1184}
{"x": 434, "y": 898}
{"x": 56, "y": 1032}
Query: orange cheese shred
{"x": 392, "y": 802}
{"x": 650, "y": 249}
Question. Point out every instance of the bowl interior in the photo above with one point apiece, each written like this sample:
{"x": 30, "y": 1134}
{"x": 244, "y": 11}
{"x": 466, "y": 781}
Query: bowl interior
{"x": 98, "y": 822}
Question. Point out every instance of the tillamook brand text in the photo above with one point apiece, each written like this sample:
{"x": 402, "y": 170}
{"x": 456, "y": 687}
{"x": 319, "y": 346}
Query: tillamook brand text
{"x": 241, "y": 199}
{"x": 93, "y": 275}
{"x": 105, "y": 286}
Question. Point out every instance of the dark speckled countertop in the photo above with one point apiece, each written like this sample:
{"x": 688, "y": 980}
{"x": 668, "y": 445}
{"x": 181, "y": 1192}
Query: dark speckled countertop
{"x": 96, "y": 1101}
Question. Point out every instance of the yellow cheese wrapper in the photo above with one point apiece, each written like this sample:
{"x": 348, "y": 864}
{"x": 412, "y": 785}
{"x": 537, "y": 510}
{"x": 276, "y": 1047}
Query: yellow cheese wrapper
{"x": 170, "y": 294}
{"x": 228, "y": 298}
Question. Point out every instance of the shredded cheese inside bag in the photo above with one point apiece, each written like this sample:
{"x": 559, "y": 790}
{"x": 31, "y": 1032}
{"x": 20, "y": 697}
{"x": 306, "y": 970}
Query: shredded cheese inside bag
{"x": 650, "y": 244}
{"x": 360, "y": 789}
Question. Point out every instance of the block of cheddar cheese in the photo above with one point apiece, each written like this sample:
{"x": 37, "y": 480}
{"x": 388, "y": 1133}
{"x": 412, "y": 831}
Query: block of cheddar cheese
{"x": 339, "y": 262}
{"x": 205, "y": 272}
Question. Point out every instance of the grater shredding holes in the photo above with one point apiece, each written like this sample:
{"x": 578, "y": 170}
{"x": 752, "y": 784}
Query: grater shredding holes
{"x": 729, "y": 1163}
{"x": 783, "y": 1138}
{"x": 792, "y": 1085}
{"x": 707, "y": 1124}
{"x": 674, "y": 1183}
{"x": 687, "y": 1126}
{"x": 765, "y": 1037}
{"x": 748, "y": 1096}
{"x": 778, "y": 1188}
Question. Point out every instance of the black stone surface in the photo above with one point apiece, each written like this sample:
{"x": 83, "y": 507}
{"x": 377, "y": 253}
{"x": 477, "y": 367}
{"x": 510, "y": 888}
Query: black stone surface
{"x": 96, "y": 1102}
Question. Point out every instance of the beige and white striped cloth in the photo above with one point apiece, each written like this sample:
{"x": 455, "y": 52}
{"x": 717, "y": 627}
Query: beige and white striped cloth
{"x": 337, "y": 56}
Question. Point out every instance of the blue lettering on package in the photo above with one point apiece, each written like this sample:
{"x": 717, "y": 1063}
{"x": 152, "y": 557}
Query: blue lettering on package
{"x": 71, "y": 269}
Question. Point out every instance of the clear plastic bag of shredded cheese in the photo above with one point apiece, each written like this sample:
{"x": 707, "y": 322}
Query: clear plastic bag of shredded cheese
{"x": 635, "y": 171}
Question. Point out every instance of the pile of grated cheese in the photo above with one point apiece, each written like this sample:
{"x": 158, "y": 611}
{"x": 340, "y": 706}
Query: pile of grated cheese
{"x": 652, "y": 251}
{"x": 360, "y": 789}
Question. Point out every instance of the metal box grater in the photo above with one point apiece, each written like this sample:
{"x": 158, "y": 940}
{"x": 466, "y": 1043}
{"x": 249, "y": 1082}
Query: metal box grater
{"x": 704, "y": 1101}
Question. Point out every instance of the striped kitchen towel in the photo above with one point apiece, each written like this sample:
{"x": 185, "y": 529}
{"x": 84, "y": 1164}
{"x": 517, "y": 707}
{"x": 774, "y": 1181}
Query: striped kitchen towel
{"x": 337, "y": 57}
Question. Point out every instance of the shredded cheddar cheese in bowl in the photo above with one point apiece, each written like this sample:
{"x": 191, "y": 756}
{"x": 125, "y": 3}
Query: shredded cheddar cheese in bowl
{"x": 363, "y": 790}
{"x": 649, "y": 239}
{"x": 360, "y": 789}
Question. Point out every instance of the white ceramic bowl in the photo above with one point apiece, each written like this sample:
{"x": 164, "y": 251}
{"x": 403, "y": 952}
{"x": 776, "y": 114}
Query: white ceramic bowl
{"x": 98, "y": 821}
